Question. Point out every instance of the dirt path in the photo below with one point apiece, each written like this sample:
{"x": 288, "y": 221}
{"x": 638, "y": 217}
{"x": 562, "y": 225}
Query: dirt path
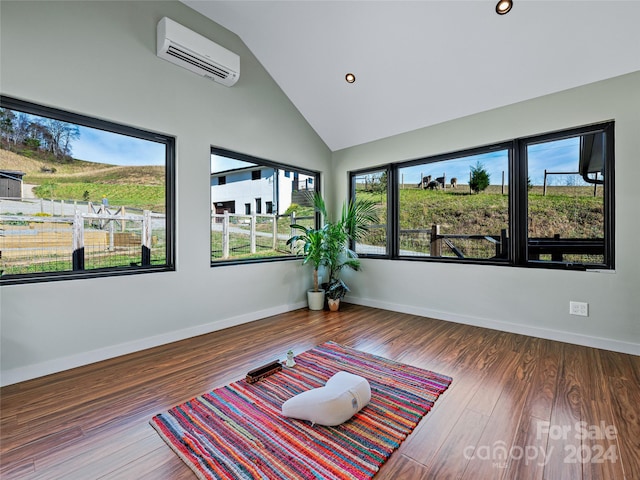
{"x": 27, "y": 191}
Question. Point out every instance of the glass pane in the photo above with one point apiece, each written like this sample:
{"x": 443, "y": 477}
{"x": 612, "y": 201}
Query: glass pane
{"x": 85, "y": 198}
{"x": 253, "y": 207}
{"x": 373, "y": 186}
{"x": 455, "y": 208}
{"x": 566, "y": 200}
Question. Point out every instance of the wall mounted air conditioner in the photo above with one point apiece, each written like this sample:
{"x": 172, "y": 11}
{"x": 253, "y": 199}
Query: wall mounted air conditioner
{"x": 190, "y": 50}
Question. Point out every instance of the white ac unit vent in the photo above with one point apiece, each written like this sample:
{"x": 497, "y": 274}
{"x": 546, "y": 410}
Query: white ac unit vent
{"x": 190, "y": 50}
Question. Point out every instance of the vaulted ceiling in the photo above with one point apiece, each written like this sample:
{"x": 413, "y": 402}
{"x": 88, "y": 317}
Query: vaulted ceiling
{"x": 419, "y": 63}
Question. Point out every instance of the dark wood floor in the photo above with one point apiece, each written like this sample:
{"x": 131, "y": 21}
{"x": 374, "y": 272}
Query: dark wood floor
{"x": 513, "y": 410}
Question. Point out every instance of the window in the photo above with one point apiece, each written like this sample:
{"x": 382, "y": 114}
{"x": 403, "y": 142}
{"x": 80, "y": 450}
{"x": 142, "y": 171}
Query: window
{"x": 254, "y": 235}
{"x": 539, "y": 201}
{"x": 96, "y": 198}
{"x": 222, "y": 180}
{"x": 372, "y": 185}
{"x": 568, "y": 197}
{"x": 443, "y": 213}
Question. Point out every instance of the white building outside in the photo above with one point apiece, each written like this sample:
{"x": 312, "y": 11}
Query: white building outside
{"x": 256, "y": 189}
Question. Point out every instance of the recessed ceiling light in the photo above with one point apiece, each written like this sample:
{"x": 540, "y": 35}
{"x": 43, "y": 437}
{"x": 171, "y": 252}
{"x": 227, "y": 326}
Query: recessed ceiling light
{"x": 504, "y": 6}
{"x": 350, "y": 77}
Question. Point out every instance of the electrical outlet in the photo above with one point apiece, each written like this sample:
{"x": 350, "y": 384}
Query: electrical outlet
{"x": 579, "y": 308}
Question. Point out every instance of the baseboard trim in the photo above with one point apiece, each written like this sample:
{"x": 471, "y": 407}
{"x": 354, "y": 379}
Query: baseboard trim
{"x": 21, "y": 374}
{"x": 548, "y": 334}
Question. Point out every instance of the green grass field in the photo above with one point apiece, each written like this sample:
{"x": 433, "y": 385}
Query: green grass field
{"x": 137, "y": 187}
{"x": 571, "y": 212}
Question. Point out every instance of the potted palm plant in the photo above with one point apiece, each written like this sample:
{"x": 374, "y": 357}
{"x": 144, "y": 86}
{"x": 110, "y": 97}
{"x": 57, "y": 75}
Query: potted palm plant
{"x": 310, "y": 244}
{"x": 355, "y": 218}
{"x": 329, "y": 246}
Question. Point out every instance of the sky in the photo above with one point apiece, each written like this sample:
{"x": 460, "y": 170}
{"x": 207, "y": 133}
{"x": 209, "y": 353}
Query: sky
{"x": 221, "y": 164}
{"x": 557, "y": 156}
{"x": 116, "y": 149}
{"x": 494, "y": 163}
{"x": 101, "y": 146}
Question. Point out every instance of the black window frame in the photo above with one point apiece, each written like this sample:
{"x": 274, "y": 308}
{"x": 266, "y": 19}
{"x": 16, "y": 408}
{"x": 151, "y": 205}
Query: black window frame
{"x": 520, "y": 204}
{"x": 392, "y": 208}
{"x": 170, "y": 196}
{"x": 215, "y": 150}
{"x": 518, "y": 200}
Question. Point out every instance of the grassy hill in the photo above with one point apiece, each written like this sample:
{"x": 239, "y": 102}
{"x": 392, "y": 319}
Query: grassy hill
{"x": 33, "y": 164}
{"x": 571, "y": 212}
{"x": 139, "y": 187}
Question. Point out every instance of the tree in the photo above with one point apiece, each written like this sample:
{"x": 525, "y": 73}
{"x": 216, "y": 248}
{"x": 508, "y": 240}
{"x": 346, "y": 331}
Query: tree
{"x": 38, "y": 133}
{"x": 376, "y": 182}
{"x": 479, "y": 178}
{"x": 61, "y": 135}
{"x": 6, "y": 124}
{"x": 21, "y": 127}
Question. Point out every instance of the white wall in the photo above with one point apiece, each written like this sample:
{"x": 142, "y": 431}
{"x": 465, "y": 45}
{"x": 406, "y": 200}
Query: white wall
{"x": 526, "y": 300}
{"x": 98, "y": 59}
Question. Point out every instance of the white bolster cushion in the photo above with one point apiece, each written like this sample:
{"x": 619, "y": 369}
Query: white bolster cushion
{"x": 343, "y": 395}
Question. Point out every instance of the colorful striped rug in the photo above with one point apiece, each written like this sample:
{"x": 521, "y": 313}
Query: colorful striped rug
{"x": 239, "y": 432}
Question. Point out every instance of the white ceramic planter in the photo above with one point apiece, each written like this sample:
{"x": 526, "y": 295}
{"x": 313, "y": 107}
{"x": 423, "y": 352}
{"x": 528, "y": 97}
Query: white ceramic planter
{"x": 315, "y": 299}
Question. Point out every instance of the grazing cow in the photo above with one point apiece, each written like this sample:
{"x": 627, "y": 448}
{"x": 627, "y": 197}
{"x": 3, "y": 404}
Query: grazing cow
{"x": 433, "y": 185}
{"x": 454, "y": 182}
{"x": 440, "y": 180}
{"x": 425, "y": 182}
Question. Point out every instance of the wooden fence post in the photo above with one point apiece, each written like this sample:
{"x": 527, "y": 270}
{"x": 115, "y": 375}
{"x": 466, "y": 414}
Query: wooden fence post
{"x": 544, "y": 183}
{"x": 502, "y": 249}
{"x": 556, "y": 256}
{"x": 275, "y": 232}
{"x": 123, "y": 213}
{"x": 111, "y": 235}
{"x": 252, "y": 233}
{"x": 146, "y": 237}
{"x": 435, "y": 250}
{"x": 225, "y": 235}
{"x": 78, "y": 242}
